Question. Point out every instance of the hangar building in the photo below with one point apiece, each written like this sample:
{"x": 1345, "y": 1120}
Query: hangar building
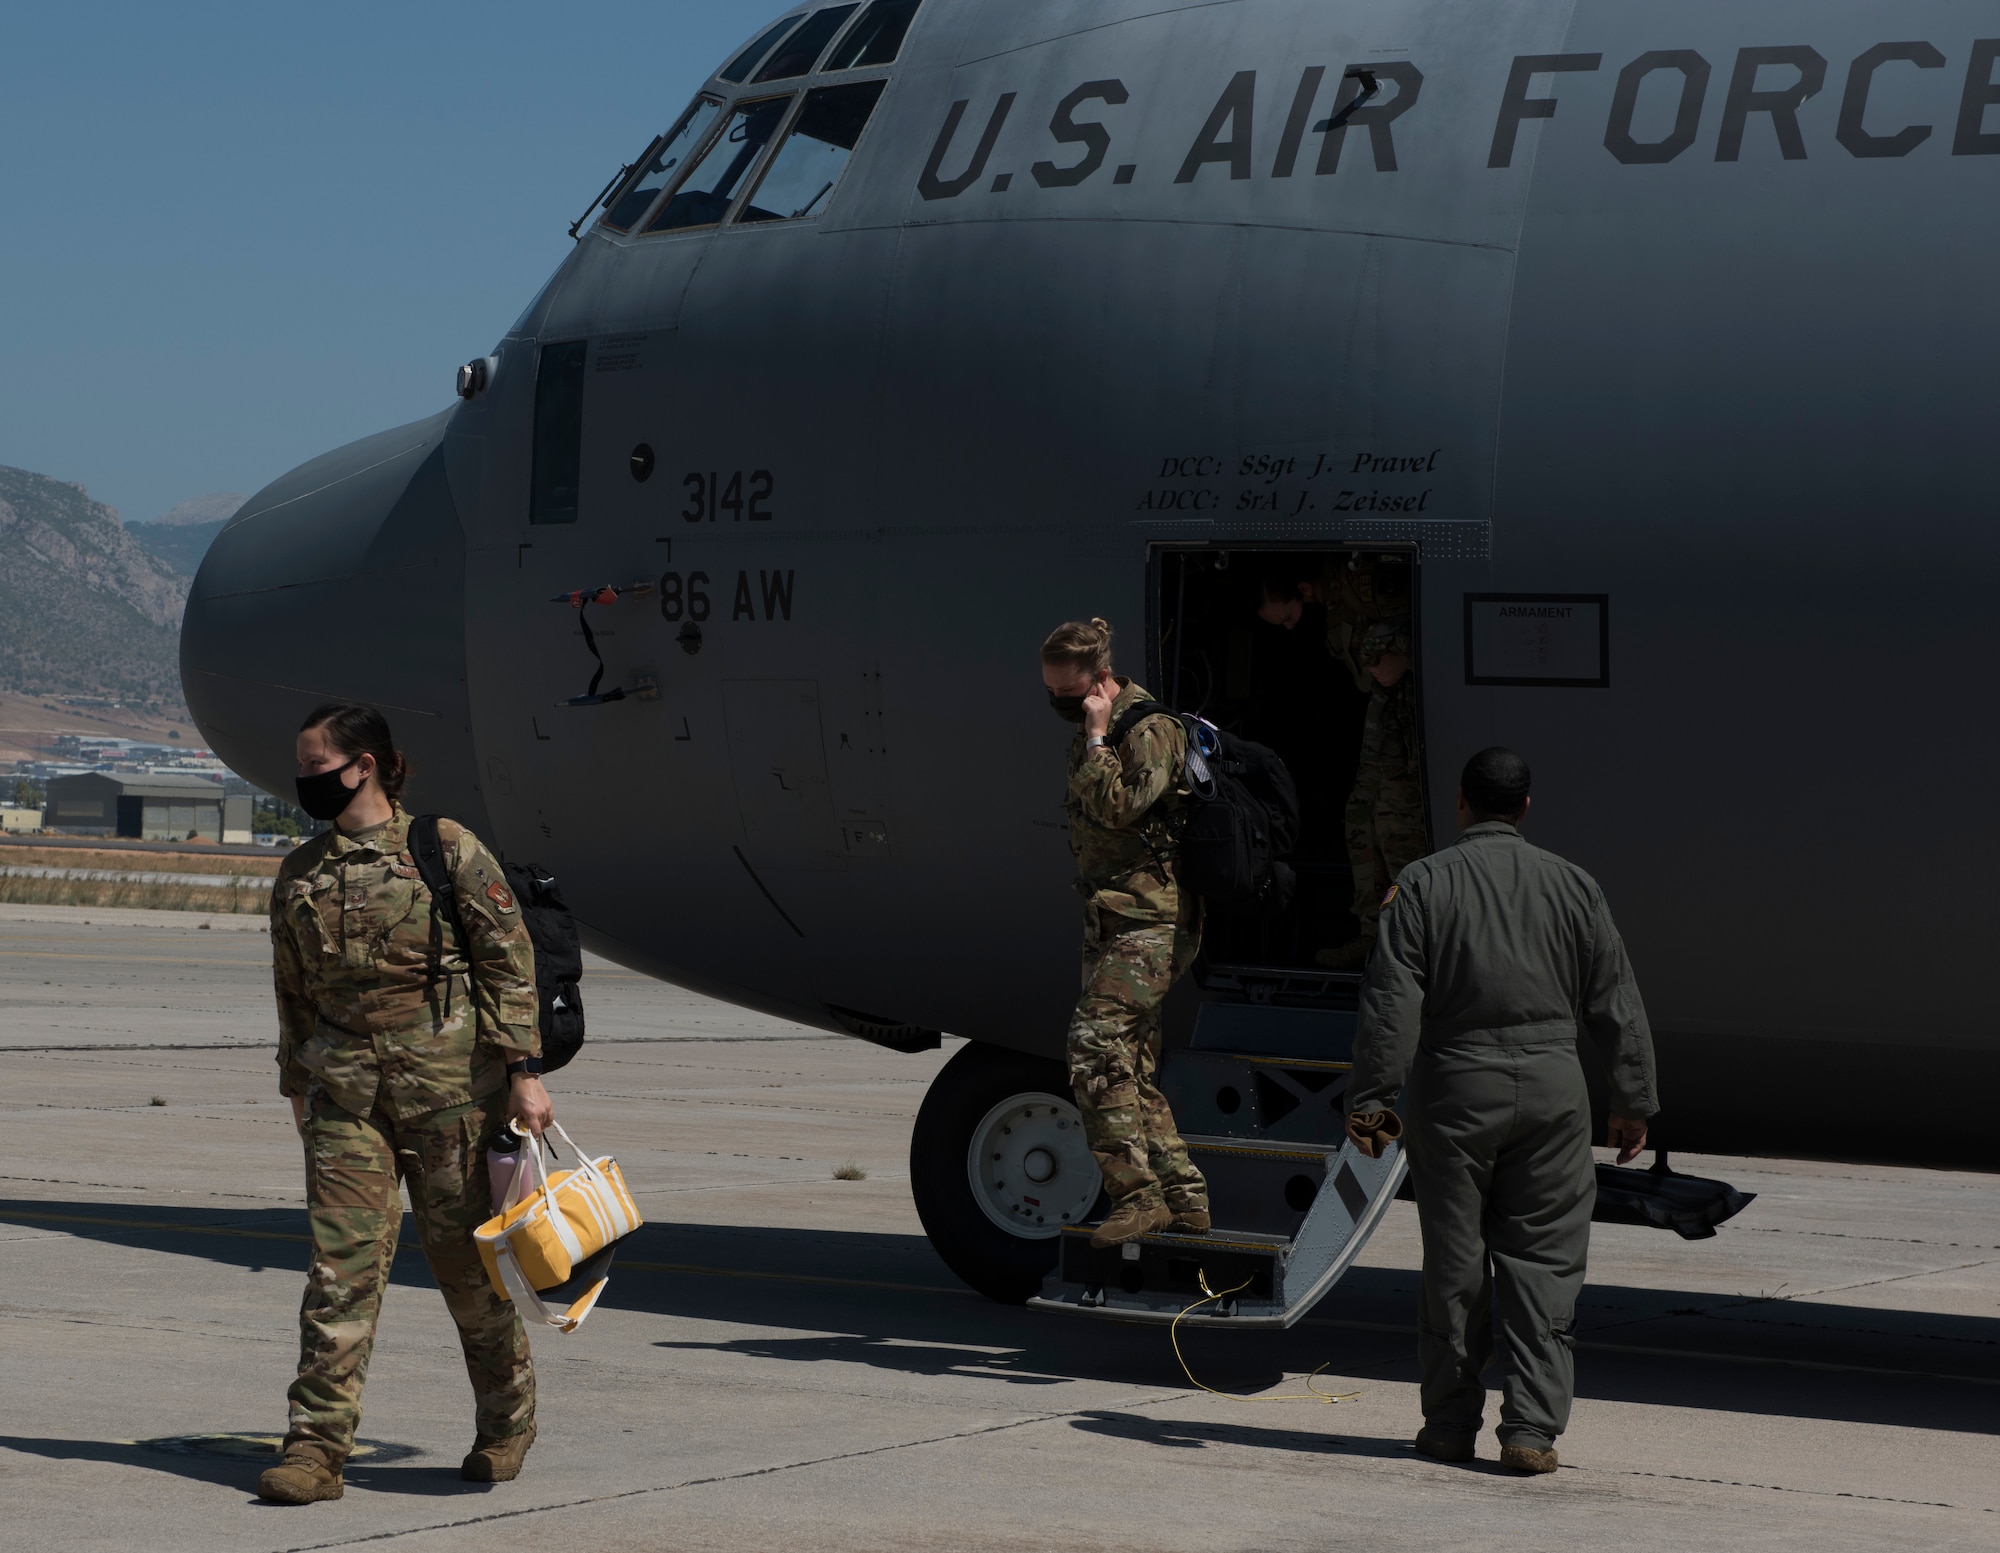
{"x": 162, "y": 807}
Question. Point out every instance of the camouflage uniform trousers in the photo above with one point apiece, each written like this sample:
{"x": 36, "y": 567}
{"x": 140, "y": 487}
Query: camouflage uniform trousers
{"x": 1114, "y": 1051}
{"x": 1385, "y": 812}
{"x": 356, "y": 1216}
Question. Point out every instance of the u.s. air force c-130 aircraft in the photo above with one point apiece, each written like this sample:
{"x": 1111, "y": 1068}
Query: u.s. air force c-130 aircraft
{"x": 1656, "y": 343}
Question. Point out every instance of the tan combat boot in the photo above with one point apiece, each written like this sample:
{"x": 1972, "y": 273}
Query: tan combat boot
{"x": 1525, "y": 1458}
{"x": 1189, "y": 1221}
{"x": 497, "y": 1458}
{"x": 1129, "y": 1220}
{"x": 305, "y": 1475}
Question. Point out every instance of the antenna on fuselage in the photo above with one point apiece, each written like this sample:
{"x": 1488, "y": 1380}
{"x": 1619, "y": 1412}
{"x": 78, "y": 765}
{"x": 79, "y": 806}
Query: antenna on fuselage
{"x": 1370, "y": 85}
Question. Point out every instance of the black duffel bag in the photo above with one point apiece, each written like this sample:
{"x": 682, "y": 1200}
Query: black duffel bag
{"x": 1659, "y": 1198}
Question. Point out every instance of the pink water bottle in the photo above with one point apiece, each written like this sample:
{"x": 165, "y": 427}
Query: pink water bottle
{"x": 508, "y": 1168}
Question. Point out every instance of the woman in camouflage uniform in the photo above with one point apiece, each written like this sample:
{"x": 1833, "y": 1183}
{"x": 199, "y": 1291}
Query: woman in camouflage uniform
{"x": 403, "y": 1050}
{"x": 1140, "y": 934}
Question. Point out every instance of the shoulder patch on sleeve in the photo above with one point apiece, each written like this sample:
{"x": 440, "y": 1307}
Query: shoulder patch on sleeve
{"x": 1391, "y": 895}
{"x": 500, "y": 895}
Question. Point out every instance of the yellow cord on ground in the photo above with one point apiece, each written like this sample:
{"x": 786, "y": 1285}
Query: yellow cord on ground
{"x": 1311, "y": 1394}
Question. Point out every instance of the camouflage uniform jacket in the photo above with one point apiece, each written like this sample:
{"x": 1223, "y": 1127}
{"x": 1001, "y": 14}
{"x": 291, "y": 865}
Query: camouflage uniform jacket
{"x": 1121, "y": 805}
{"x": 360, "y": 1011}
{"x": 1367, "y": 614}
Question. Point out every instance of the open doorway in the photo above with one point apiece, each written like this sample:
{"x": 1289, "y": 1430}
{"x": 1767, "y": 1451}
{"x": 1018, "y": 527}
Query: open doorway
{"x": 1308, "y": 690}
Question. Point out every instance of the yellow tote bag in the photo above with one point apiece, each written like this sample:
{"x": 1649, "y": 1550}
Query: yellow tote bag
{"x": 565, "y": 1230}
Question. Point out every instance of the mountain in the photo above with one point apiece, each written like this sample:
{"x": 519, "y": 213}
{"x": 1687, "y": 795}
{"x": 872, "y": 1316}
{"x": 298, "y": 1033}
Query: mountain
{"x": 181, "y": 535}
{"x": 84, "y": 608}
{"x": 215, "y": 507}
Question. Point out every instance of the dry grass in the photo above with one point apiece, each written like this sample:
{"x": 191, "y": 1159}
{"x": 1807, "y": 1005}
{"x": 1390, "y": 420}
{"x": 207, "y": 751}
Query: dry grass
{"x": 134, "y": 861}
{"x": 249, "y": 896}
{"x": 850, "y": 1172}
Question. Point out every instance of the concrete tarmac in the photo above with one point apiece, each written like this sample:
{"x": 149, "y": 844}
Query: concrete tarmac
{"x": 783, "y": 1363}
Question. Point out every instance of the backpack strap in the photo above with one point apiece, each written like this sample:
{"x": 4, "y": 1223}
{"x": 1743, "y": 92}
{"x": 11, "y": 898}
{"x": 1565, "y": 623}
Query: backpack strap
{"x": 427, "y": 850}
{"x": 1134, "y": 715}
{"x": 1153, "y": 822}
{"x": 1194, "y": 766}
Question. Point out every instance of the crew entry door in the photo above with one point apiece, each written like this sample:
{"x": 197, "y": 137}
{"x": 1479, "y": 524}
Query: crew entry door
{"x": 1290, "y": 648}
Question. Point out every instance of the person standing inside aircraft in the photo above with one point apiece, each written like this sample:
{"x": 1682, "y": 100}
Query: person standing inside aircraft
{"x": 1367, "y": 603}
{"x": 1495, "y": 957}
{"x": 403, "y": 1050}
{"x": 1140, "y": 933}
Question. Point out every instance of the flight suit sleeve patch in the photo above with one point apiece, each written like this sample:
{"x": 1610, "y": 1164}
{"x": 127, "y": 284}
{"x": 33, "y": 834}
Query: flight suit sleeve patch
{"x": 500, "y": 895}
{"x": 1391, "y": 895}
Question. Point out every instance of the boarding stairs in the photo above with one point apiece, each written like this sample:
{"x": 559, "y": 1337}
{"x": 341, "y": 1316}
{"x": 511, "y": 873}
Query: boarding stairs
{"x": 1260, "y": 1096}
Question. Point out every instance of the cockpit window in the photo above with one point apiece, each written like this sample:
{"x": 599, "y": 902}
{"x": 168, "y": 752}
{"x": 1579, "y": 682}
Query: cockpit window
{"x": 741, "y": 65}
{"x": 876, "y": 38}
{"x": 704, "y": 195}
{"x": 808, "y": 164}
{"x": 670, "y": 151}
{"x": 800, "y": 52}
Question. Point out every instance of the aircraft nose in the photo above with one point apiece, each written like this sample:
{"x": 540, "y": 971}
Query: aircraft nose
{"x": 343, "y": 580}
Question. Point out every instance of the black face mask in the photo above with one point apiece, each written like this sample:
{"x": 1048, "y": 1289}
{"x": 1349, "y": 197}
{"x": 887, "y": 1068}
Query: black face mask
{"x": 326, "y": 797}
{"x": 1068, "y": 708}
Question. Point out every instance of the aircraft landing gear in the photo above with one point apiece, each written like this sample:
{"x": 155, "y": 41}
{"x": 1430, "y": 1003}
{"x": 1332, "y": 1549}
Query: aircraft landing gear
{"x": 998, "y": 1165}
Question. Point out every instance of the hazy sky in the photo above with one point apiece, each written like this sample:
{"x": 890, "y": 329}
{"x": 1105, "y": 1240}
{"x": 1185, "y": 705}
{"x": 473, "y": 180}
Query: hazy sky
{"x": 238, "y": 235}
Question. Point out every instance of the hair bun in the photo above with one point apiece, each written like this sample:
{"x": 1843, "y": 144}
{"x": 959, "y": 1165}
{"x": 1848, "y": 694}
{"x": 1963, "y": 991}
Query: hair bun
{"x": 1081, "y": 645}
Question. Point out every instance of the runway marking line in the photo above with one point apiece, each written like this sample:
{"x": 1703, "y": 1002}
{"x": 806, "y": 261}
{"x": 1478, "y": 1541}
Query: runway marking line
{"x": 126, "y": 959}
{"x": 699, "y": 1270}
{"x": 408, "y": 1245}
{"x": 1689, "y": 1353}
{"x": 185, "y": 959}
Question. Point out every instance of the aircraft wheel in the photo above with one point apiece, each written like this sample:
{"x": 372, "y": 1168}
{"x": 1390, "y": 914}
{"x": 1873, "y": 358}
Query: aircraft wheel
{"x": 998, "y": 1164}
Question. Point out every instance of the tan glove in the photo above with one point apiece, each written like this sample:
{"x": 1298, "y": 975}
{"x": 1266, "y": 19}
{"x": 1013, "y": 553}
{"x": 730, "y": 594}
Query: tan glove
{"x": 1374, "y": 1131}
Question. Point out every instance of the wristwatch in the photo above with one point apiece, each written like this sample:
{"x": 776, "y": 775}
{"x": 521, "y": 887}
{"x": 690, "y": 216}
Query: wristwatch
{"x": 1093, "y": 741}
{"x": 528, "y": 1065}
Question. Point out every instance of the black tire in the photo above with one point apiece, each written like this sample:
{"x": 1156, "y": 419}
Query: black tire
{"x": 1003, "y": 1267}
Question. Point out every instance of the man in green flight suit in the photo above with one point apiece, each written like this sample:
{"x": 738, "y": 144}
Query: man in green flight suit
{"x": 1140, "y": 934}
{"x": 1495, "y": 959}
{"x": 1368, "y": 632}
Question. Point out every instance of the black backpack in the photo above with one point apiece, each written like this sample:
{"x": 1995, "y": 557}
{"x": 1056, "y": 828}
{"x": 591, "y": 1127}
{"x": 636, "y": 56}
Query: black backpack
{"x": 558, "y": 954}
{"x": 1241, "y": 818}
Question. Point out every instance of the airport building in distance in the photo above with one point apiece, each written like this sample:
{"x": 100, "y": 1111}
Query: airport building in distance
{"x": 160, "y": 807}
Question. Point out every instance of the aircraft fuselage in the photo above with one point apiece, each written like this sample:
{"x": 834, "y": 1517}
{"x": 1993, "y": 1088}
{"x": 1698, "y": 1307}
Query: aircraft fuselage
{"x": 1662, "y": 336}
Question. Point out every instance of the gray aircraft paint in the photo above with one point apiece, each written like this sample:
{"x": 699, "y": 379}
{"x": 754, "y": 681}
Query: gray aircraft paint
{"x": 1742, "y": 393}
